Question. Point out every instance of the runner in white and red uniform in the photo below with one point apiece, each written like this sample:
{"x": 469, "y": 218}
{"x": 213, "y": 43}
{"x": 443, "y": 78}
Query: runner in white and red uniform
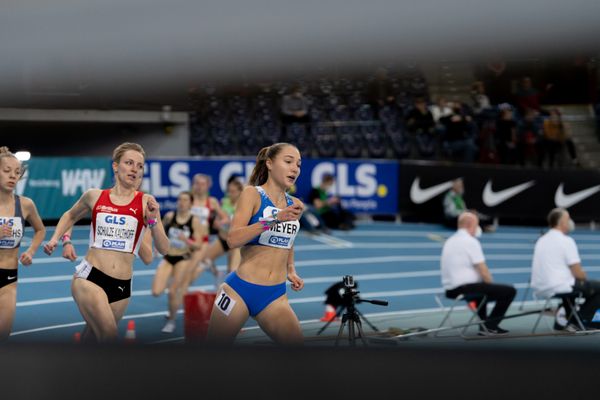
{"x": 212, "y": 218}
{"x": 101, "y": 285}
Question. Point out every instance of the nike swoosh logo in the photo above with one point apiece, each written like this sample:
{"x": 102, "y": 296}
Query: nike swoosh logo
{"x": 492, "y": 199}
{"x": 10, "y": 278}
{"x": 419, "y": 196}
{"x": 567, "y": 200}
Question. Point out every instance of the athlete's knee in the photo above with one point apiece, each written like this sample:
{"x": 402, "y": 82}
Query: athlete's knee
{"x": 106, "y": 333}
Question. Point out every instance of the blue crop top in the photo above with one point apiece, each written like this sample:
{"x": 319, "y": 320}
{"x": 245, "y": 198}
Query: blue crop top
{"x": 281, "y": 235}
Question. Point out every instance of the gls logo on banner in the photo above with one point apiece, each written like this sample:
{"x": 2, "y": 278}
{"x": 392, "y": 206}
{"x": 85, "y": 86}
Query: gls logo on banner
{"x": 365, "y": 176}
{"x": 178, "y": 179}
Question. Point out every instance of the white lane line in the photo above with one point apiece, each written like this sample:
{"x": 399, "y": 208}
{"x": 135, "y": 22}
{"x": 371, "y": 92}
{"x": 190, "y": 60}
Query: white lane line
{"x": 59, "y": 278}
{"x": 331, "y": 240}
{"x": 294, "y": 301}
{"x": 494, "y": 235}
{"x": 397, "y": 275}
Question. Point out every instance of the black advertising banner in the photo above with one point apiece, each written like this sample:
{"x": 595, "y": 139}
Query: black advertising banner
{"x": 510, "y": 193}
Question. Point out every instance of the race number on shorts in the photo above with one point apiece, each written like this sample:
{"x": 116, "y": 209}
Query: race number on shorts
{"x": 224, "y": 303}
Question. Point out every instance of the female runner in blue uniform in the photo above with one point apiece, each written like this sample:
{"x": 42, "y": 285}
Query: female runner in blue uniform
{"x": 265, "y": 225}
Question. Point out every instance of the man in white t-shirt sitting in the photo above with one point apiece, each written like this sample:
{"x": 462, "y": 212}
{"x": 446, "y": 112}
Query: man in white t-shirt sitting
{"x": 557, "y": 268}
{"x": 465, "y": 272}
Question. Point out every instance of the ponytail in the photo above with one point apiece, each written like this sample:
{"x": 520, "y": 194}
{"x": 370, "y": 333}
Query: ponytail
{"x": 260, "y": 173}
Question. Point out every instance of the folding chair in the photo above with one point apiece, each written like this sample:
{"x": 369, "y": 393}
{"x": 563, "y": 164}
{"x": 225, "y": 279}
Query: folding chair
{"x": 569, "y": 298}
{"x": 468, "y": 298}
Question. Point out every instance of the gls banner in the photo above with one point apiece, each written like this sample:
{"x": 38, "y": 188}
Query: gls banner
{"x": 363, "y": 185}
{"x": 502, "y": 191}
{"x": 56, "y": 183}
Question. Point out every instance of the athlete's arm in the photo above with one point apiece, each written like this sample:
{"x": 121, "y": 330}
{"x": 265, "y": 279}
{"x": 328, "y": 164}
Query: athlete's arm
{"x": 240, "y": 232}
{"x": 152, "y": 212}
{"x": 146, "y": 252}
{"x": 296, "y": 282}
{"x": 74, "y": 214}
{"x": 68, "y": 251}
{"x": 196, "y": 242}
{"x": 31, "y": 215}
{"x": 222, "y": 216}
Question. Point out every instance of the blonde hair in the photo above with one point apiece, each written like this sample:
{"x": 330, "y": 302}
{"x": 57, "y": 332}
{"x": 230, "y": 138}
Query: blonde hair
{"x": 205, "y": 176}
{"x": 5, "y": 153}
{"x": 260, "y": 173}
{"x": 126, "y": 146}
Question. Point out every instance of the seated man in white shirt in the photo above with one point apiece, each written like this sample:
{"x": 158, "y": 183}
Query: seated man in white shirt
{"x": 465, "y": 272}
{"x": 557, "y": 268}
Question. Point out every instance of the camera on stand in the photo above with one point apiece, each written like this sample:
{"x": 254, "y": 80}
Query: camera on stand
{"x": 352, "y": 317}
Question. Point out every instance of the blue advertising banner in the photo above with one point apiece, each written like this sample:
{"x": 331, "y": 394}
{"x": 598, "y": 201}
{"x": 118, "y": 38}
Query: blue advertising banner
{"x": 56, "y": 183}
{"x": 365, "y": 186}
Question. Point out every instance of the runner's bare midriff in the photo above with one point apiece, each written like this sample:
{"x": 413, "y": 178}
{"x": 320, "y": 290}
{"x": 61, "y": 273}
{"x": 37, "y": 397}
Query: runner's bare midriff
{"x": 263, "y": 265}
{"x": 113, "y": 263}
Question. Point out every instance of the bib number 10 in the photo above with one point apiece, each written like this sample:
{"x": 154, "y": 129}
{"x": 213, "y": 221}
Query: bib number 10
{"x": 224, "y": 303}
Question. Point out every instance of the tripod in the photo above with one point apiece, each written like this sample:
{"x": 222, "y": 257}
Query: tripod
{"x": 352, "y": 318}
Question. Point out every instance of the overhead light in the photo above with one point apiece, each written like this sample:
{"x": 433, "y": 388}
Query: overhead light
{"x": 23, "y": 155}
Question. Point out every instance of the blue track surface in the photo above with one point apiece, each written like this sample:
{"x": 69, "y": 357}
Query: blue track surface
{"x": 395, "y": 262}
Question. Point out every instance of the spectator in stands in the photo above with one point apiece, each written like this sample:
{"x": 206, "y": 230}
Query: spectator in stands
{"x": 557, "y": 269}
{"x": 421, "y": 125}
{"x": 556, "y": 134}
{"x": 464, "y": 271}
{"x": 419, "y": 119}
{"x": 330, "y": 207}
{"x": 441, "y": 108}
{"x": 380, "y": 91}
{"x": 294, "y": 108}
{"x": 459, "y": 139}
{"x": 529, "y": 132}
{"x": 497, "y": 80}
{"x": 527, "y": 96}
{"x": 506, "y": 135}
{"x": 480, "y": 101}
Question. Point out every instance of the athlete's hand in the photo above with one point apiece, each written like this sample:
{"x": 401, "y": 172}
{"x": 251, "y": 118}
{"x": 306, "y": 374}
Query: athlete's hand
{"x": 50, "y": 246}
{"x": 26, "y": 258}
{"x": 297, "y": 282}
{"x": 5, "y": 231}
{"x": 152, "y": 208}
{"x": 290, "y": 213}
{"x": 68, "y": 252}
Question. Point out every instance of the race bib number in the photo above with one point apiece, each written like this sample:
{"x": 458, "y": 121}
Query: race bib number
{"x": 16, "y": 226}
{"x": 115, "y": 232}
{"x": 224, "y": 303}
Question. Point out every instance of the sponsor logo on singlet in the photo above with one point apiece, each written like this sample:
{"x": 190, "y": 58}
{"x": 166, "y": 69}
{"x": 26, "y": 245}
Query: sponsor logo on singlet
{"x": 115, "y": 232}
{"x": 103, "y": 208}
{"x": 17, "y": 232}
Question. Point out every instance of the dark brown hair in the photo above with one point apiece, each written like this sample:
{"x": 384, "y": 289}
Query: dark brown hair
{"x": 260, "y": 173}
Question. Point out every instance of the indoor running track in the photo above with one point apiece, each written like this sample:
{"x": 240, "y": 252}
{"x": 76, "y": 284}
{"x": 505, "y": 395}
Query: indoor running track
{"x": 397, "y": 262}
